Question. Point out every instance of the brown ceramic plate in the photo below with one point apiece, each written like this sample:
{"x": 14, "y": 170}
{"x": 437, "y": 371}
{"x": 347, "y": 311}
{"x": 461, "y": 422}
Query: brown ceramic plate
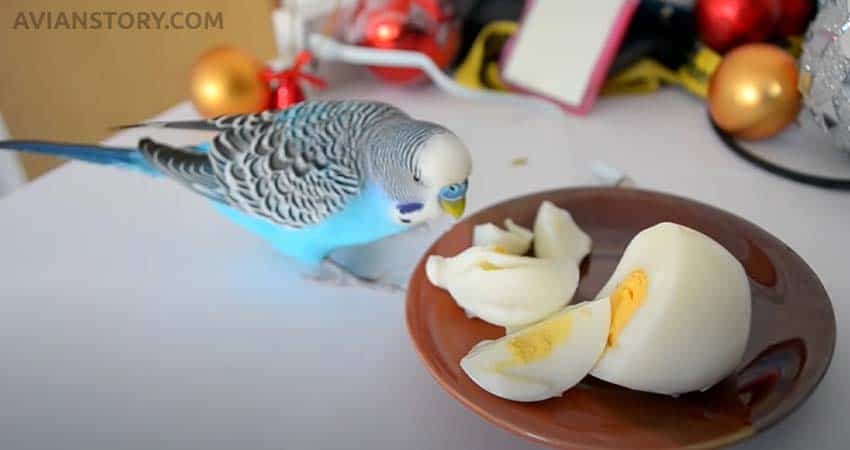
{"x": 790, "y": 346}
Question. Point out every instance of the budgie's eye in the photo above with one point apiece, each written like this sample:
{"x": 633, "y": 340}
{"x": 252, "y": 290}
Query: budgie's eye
{"x": 453, "y": 191}
{"x": 416, "y": 178}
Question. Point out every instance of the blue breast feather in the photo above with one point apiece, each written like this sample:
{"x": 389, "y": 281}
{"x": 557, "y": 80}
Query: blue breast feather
{"x": 365, "y": 219}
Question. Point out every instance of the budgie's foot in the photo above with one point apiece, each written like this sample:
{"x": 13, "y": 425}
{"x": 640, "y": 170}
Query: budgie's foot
{"x": 332, "y": 273}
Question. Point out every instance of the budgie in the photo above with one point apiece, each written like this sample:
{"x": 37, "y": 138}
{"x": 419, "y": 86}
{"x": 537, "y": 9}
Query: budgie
{"x": 310, "y": 178}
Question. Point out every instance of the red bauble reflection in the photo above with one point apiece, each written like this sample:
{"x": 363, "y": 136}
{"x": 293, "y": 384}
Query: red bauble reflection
{"x": 425, "y": 26}
{"x": 726, "y": 24}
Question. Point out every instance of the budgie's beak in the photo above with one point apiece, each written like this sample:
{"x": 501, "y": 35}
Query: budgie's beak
{"x": 453, "y": 208}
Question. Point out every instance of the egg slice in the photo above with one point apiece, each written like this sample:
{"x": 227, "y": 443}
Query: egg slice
{"x": 556, "y": 234}
{"x": 514, "y": 239}
{"x": 502, "y": 289}
{"x": 680, "y": 313}
{"x": 439, "y": 269}
{"x": 545, "y": 359}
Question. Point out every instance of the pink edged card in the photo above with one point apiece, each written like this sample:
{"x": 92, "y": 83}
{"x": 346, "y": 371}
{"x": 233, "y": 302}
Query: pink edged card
{"x": 564, "y": 48}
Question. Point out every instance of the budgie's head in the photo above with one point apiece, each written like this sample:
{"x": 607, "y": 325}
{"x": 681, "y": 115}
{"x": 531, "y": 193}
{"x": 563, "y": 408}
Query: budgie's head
{"x": 424, "y": 169}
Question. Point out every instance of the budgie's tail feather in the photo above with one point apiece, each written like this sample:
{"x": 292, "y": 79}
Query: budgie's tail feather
{"x": 126, "y": 158}
{"x": 206, "y": 125}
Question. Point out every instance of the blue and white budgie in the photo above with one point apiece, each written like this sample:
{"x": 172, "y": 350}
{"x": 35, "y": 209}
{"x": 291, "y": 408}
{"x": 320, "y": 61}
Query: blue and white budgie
{"x": 311, "y": 178}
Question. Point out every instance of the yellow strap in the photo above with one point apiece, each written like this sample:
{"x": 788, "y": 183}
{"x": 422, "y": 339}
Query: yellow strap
{"x": 794, "y": 45}
{"x": 641, "y": 77}
{"x": 696, "y": 73}
{"x": 470, "y": 70}
{"x": 647, "y": 75}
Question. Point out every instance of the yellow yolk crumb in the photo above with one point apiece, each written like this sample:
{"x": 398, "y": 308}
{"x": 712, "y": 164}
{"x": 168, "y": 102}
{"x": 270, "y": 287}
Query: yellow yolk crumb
{"x": 487, "y": 265}
{"x": 626, "y": 299}
{"x": 538, "y": 341}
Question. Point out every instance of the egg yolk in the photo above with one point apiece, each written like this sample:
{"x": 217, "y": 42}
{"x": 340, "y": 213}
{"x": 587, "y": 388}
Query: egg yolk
{"x": 487, "y": 265}
{"x": 626, "y": 299}
{"x": 538, "y": 341}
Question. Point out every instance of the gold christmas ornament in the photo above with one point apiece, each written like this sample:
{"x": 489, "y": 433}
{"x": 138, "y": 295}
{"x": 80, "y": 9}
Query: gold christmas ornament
{"x": 228, "y": 81}
{"x": 753, "y": 93}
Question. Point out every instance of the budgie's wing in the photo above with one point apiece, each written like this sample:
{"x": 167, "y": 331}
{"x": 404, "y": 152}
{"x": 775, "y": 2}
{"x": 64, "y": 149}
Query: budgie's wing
{"x": 219, "y": 123}
{"x": 249, "y": 121}
{"x": 294, "y": 167}
{"x": 299, "y": 167}
{"x": 187, "y": 166}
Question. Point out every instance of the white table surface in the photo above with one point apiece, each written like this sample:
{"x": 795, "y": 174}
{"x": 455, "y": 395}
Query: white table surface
{"x": 132, "y": 316}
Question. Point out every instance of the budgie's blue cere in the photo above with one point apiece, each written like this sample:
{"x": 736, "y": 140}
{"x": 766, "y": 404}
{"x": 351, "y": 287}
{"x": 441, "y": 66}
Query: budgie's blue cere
{"x": 311, "y": 178}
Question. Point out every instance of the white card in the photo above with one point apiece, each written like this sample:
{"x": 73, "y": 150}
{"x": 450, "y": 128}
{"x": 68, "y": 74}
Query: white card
{"x": 564, "y": 48}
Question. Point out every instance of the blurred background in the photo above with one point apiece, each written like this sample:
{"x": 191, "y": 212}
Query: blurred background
{"x": 66, "y": 84}
{"x": 770, "y": 73}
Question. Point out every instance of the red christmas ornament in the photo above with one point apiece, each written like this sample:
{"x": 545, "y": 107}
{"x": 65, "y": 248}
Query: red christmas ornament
{"x": 794, "y": 17}
{"x": 726, "y": 24}
{"x": 286, "y": 83}
{"x": 426, "y": 26}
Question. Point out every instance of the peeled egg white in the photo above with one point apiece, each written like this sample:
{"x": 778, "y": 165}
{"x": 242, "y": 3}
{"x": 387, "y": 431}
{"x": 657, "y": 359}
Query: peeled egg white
{"x": 514, "y": 239}
{"x": 557, "y": 235}
{"x": 439, "y": 269}
{"x": 545, "y": 359}
{"x": 502, "y": 289}
{"x": 692, "y": 328}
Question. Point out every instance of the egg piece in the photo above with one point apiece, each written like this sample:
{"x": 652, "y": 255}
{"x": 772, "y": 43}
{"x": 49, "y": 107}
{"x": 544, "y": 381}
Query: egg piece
{"x": 556, "y": 234}
{"x": 502, "y": 289}
{"x": 545, "y": 359}
{"x": 680, "y": 313}
{"x": 514, "y": 239}
{"x": 439, "y": 269}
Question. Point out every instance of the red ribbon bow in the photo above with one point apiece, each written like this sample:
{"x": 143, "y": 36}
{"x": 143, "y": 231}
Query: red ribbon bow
{"x": 286, "y": 82}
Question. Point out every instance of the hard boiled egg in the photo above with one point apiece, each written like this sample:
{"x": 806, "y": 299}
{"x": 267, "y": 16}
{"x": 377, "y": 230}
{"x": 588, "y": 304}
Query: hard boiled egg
{"x": 556, "y": 234}
{"x": 680, "y": 313}
{"x": 502, "y": 289}
{"x": 545, "y": 359}
{"x": 514, "y": 239}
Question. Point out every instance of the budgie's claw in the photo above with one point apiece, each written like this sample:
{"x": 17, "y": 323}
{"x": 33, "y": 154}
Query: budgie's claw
{"x": 332, "y": 273}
